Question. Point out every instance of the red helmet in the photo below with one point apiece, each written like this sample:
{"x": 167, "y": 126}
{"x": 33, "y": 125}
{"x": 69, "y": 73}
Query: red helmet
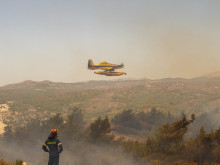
{"x": 54, "y": 131}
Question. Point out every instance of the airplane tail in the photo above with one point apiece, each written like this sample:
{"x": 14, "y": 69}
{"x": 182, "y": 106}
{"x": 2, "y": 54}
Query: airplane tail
{"x": 90, "y": 63}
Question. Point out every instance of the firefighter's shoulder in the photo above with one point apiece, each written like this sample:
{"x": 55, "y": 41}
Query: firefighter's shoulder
{"x": 58, "y": 142}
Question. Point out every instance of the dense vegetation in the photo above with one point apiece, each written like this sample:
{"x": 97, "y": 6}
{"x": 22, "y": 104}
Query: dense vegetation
{"x": 95, "y": 143}
{"x": 141, "y": 124}
{"x": 111, "y": 97}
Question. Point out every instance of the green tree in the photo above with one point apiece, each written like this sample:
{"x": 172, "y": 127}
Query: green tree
{"x": 55, "y": 122}
{"x": 127, "y": 119}
{"x": 170, "y": 136}
{"x": 25, "y": 134}
{"x": 99, "y": 130}
{"x": 200, "y": 149}
{"x": 74, "y": 124}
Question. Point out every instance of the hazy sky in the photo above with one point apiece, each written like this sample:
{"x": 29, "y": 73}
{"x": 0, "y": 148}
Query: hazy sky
{"x": 53, "y": 39}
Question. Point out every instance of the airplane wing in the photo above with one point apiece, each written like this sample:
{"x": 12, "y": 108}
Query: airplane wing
{"x": 112, "y": 68}
{"x": 118, "y": 66}
{"x": 106, "y": 68}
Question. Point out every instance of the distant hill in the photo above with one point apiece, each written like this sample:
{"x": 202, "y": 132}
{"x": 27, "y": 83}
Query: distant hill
{"x": 48, "y": 85}
{"x": 31, "y": 99}
{"x": 212, "y": 75}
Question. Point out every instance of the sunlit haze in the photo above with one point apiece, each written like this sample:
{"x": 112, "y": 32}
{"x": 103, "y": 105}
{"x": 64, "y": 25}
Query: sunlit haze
{"x": 53, "y": 39}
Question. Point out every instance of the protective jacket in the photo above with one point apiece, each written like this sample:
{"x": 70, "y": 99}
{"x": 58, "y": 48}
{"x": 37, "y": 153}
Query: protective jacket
{"x": 54, "y": 147}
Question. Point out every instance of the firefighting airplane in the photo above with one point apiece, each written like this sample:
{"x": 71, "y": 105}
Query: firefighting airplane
{"x": 108, "y": 68}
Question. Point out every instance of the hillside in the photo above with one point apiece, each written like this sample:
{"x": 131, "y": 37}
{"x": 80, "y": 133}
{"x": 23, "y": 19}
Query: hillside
{"x": 30, "y": 99}
{"x": 212, "y": 75}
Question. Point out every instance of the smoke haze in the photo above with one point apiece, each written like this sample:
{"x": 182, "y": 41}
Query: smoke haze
{"x": 80, "y": 154}
{"x": 154, "y": 39}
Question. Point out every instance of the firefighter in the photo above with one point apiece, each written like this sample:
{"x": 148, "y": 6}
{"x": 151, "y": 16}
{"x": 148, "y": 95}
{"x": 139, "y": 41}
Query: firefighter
{"x": 54, "y": 147}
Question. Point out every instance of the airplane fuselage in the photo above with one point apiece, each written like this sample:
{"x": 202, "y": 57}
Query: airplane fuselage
{"x": 107, "y": 67}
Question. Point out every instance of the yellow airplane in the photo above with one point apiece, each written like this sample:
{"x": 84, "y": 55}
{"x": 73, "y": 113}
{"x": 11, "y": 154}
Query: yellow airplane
{"x": 107, "y": 67}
